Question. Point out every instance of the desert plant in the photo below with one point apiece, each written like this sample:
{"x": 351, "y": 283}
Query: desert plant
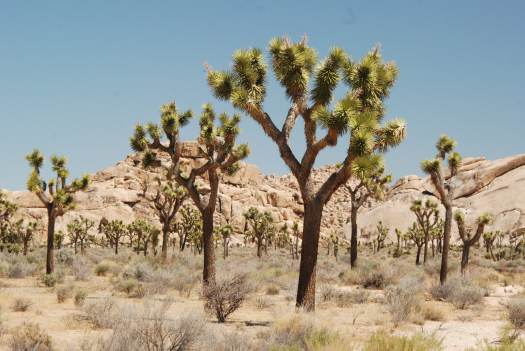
{"x": 21, "y": 304}
{"x": 417, "y": 342}
{"x": 516, "y": 313}
{"x": 49, "y": 280}
{"x": 225, "y": 296}
{"x": 359, "y": 113}
{"x": 260, "y": 226}
{"x": 114, "y": 231}
{"x": 381, "y": 236}
{"x": 101, "y": 313}
{"x": 417, "y": 236}
{"x": 78, "y": 232}
{"x": 445, "y": 188}
{"x": 29, "y": 337}
{"x": 368, "y": 181}
{"x": 466, "y": 236}
{"x": 56, "y": 195}
{"x": 80, "y": 297}
{"x": 427, "y": 215}
{"x": 217, "y": 145}
{"x": 64, "y": 293}
{"x": 81, "y": 269}
{"x": 402, "y": 300}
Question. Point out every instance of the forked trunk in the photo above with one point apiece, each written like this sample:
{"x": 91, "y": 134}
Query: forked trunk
{"x": 308, "y": 266}
{"x": 446, "y": 244}
{"x": 353, "y": 238}
{"x": 208, "y": 273}
{"x": 50, "y": 255}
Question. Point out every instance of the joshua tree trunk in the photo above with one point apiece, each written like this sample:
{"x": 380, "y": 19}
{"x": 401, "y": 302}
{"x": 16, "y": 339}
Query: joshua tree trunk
{"x": 418, "y": 254}
{"x": 75, "y": 246}
{"x": 225, "y": 247}
{"x": 208, "y": 273}
{"x": 425, "y": 249}
{"x": 446, "y": 244}
{"x": 353, "y": 238}
{"x": 26, "y": 245}
{"x": 82, "y": 247}
{"x": 50, "y": 256}
{"x": 259, "y": 247}
{"x": 116, "y": 247}
{"x": 307, "y": 269}
{"x": 165, "y": 234}
{"x": 464, "y": 257}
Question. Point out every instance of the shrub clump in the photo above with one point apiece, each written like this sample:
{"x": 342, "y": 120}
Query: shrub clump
{"x": 516, "y": 313}
{"x": 29, "y": 337}
{"x": 417, "y": 342}
{"x": 461, "y": 292}
{"x": 80, "y": 297}
{"x": 21, "y": 304}
{"x": 225, "y": 296}
{"x": 64, "y": 293}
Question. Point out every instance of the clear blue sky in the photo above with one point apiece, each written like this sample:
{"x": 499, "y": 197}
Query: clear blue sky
{"x": 76, "y": 76}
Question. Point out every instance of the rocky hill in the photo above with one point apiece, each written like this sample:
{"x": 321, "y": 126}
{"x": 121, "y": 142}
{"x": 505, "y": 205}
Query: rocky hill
{"x": 119, "y": 192}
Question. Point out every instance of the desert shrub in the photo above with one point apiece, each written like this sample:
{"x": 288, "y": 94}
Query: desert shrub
{"x": 29, "y": 337}
{"x": 225, "y": 296}
{"x": 81, "y": 269}
{"x": 272, "y": 290}
{"x": 506, "y": 345}
{"x": 65, "y": 257}
{"x": 101, "y": 313}
{"x": 4, "y": 268}
{"x": 49, "y": 280}
{"x": 359, "y": 296}
{"x": 328, "y": 293}
{"x": 432, "y": 313}
{"x": 140, "y": 271}
{"x": 80, "y": 297}
{"x": 375, "y": 275}
{"x": 64, "y": 293}
{"x": 466, "y": 294}
{"x": 104, "y": 267}
{"x": 300, "y": 333}
{"x": 21, "y": 304}
{"x": 417, "y": 342}
{"x": 403, "y": 299}
{"x": 184, "y": 282}
{"x": 20, "y": 269}
{"x": 441, "y": 292}
{"x": 516, "y": 313}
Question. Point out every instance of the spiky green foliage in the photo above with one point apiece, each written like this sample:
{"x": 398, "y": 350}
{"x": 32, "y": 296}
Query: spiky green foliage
{"x": 310, "y": 84}
{"x": 188, "y": 226}
{"x": 78, "y": 231}
{"x": 466, "y": 235}
{"x": 114, "y": 231}
{"x": 260, "y": 228}
{"x": 143, "y": 233}
{"x": 427, "y": 215}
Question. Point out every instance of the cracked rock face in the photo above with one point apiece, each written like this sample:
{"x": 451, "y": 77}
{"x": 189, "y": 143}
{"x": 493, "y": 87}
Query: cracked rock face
{"x": 117, "y": 193}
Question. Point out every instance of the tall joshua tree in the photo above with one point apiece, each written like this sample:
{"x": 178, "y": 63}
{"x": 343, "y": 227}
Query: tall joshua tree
{"x": 371, "y": 183}
{"x": 417, "y": 235}
{"x": 167, "y": 201}
{"x": 466, "y": 235}
{"x": 427, "y": 215}
{"x": 114, "y": 231}
{"x": 217, "y": 144}
{"x": 358, "y": 113}
{"x": 56, "y": 195}
{"x": 445, "y": 188}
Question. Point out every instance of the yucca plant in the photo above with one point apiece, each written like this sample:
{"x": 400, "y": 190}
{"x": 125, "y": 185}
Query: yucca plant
{"x": 78, "y": 232}
{"x": 218, "y": 148}
{"x": 56, "y": 195}
{"x": 114, "y": 231}
{"x": 310, "y": 85}
{"x": 260, "y": 227}
{"x": 445, "y": 187}
{"x": 370, "y": 182}
{"x": 427, "y": 215}
{"x": 466, "y": 236}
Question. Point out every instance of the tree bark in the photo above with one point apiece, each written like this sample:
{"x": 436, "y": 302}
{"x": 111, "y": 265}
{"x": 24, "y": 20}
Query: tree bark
{"x": 116, "y": 247}
{"x": 464, "y": 257}
{"x": 165, "y": 234}
{"x": 50, "y": 255}
{"x": 208, "y": 272}
{"x": 425, "y": 249}
{"x": 446, "y": 244}
{"x": 259, "y": 248}
{"x": 307, "y": 270}
{"x": 417, "y": 255}
{"x": 353, "y": 238}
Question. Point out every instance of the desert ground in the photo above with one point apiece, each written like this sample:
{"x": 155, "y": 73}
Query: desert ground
{"x": 96, "y": 296}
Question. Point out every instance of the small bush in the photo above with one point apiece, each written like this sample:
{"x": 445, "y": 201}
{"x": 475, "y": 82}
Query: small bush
{"x": 81, "y": 269}
{"x": 19, "y": 270}
{"x": 185, "y": 283}
{"x": 262, "y": 303}
{"x": 64, "y": 293}
{"x": 29, "y": 337}
{"x": 80, "y": 297}
{"x": 374, "y": 275}
{"x": 432, "y": 313}
{"x": 49, "y": 280}
{"x": 21, "y": 304}
{"x": 103, "y": 268}
{"x": 417, "y": 342}
{"x": 359, "y": 296}
{"x": 225, "y": 296}
{"x": 272, "y": 290}
{"x": 461, "y": 292}
{"x": 142, "y": 272}
{"x": 516, "y": 313}
{"x": 101, "y": 313}
{"x": 403, "y": 299}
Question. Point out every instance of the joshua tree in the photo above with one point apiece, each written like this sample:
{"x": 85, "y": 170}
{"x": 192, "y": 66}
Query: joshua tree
{"x": 7, "y": 210}
{"x": 225, "y": 232}
{"x": 368, "y": 171}
{"x": 261, "y": 225}
{"x": 167, "y": 201}
{"x": 427, "y": 215}
{"x": 466, "y": 235}
{"x": 488, "y": 242}
{"x": 56, "y": 195}
{"x": 189, "y": 222}
{"x": 114, "y": 231}
{"x": 295, "y": 244}
{"x": 220, "y": 153}
{"x": 382, "y": 234}
{"x": 445, "y": 188}
{"x": 335, "y": 243}
{"x": 359, "y": 113}
{"x": 416, "y": 234}
{"x": 140, "y": 231}
{"x": 78, "y": 232}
